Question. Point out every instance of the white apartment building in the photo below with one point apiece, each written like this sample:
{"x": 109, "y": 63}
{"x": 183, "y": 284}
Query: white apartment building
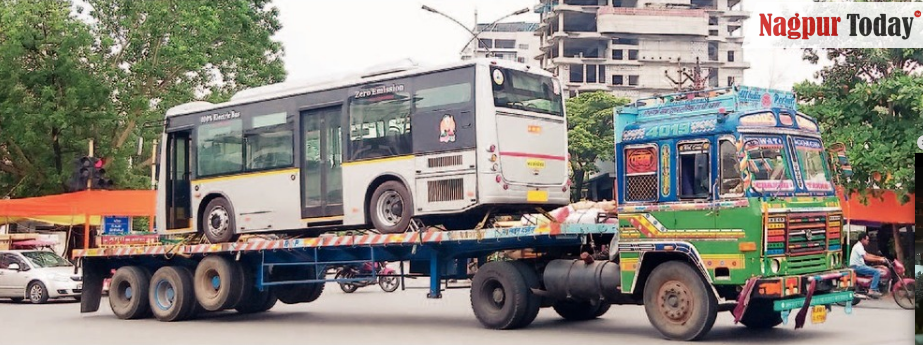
{"x": 627, "y": 46}
{"x": 514, "y": 41}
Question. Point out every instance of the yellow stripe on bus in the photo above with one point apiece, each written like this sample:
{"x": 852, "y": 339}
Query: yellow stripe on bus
{"x": 379, "y": 160}
{"x": 234, "y": 177}
{"x": 321, "y": 219}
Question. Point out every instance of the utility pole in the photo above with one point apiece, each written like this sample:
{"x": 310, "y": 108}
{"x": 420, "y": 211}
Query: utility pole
{"x": 474, "y": 33}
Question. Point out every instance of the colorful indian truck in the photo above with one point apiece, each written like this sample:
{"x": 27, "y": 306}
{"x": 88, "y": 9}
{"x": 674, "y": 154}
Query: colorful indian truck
{"x": 732, "y": 186}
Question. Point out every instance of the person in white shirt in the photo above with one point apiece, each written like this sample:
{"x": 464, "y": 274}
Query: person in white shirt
{"x": 857, "y": 259}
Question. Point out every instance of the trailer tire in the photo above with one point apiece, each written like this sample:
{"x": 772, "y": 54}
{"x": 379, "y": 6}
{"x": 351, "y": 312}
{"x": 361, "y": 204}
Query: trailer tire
{"x": 391, "y": 208}
{"x": 219, "y": 283}
{"x": 128, "y": 293}
{"x": 172, "y": 296}
{"x": 580, "y": 311}
{"x": 293, "y": 294}
{"x": 218, "y": 224}
{"x": 678, "y": 302}
{"x": 500, "y": 295}
{"x": 257, "y": 302}
{"x": 760, "y": 315}
{"x": 532, "y": 282}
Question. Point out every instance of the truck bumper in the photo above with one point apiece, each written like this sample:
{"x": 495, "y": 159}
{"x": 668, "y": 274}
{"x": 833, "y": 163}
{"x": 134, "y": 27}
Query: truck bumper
{"x": 801, "y": 291}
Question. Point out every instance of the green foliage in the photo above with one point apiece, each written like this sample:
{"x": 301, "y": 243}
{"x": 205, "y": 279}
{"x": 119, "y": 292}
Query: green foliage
{"x": 110, "y": 72}
{"x": 871, "y": 100}
{"x": 590, "y": 134}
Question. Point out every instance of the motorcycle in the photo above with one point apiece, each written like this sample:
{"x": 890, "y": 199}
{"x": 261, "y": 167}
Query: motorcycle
{"x": 892, "y": 279}
{"x": 363, "y": 276}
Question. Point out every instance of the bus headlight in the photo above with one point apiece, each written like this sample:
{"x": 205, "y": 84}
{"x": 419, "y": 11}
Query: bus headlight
{"x": 775, "y": 265}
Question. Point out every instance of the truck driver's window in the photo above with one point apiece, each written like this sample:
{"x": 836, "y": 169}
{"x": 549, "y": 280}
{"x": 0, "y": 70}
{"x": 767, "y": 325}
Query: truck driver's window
{"x": 730, "y": 169}
{"x": 694, "y": 170}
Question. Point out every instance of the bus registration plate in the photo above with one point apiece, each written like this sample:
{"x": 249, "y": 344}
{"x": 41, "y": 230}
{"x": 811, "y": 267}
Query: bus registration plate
{"x": 819, "y": 314}
{"x": 537, "y": 196}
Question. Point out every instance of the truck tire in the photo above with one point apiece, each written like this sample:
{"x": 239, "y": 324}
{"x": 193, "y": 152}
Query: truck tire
{"x": 500, "y": 295}
{"x": 293, "y": 294}
{"x": 678, "y": 301}
{"x": 218, "y": 223}
{"x": 580, "y": 311}
{"x": 535, "y": 302}
{"x": 257, "y": 302}
{"x": 219, "y": 283}
{"x": 391, "y": 208}
{"x": 171, "y": 296}
{"x": 128, "y": 293}
{"x": 760, "y": 315}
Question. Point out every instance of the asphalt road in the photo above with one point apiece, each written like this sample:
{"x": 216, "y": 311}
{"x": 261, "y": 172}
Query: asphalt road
{"x": 408, "y": 317}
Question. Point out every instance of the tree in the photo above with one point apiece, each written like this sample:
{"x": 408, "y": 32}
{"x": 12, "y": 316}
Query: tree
{"x": 871, "y": 100}
{"x": 110, "y": 72}
{"x": 590, "y": 134}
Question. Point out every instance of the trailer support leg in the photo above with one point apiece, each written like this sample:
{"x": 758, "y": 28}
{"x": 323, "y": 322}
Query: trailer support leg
{"x": 435, "y": 279}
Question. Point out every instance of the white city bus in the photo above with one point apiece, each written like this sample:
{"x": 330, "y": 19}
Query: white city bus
{"x": 462, "y": 140}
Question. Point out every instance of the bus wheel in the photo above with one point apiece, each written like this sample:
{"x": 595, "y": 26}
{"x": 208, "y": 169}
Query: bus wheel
{"x": 500, "y": 296}
{"x": 218, "y": 221}
{"x": 171, "y": 295}
{"x": 219, "y": 283}
{"x": 760, "y": 315}
{"x": 580, "y": 311}
{"x": 128, "y": 293}
{"x": 391, "y": 208}
{"x": 678, "y": 302}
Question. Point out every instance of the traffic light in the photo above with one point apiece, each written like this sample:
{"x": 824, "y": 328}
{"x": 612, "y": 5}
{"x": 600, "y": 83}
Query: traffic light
{"x": 98, "y": 175}
{"x": 89, "y": 172}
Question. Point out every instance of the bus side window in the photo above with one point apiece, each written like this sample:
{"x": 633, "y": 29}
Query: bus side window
{"x": 381, "y": 125}
{"x": 219, "y": 148}
{"x": 730, "y": 169}
{"x": 269, "y": 144}
{"x": 694, "y": 170}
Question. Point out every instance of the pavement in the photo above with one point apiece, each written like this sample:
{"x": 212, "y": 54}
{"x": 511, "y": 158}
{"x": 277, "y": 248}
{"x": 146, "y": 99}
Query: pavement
{"x": 408, "y": 317}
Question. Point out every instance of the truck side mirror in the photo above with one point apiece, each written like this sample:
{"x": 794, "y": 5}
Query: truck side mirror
{"x": 838, "y": 153}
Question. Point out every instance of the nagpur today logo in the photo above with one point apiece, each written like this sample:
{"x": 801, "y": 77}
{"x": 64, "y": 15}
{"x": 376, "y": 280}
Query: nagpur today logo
{"x": 804, "y": 27}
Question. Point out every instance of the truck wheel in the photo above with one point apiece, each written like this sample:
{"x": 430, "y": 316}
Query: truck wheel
{"x": 171, "y": 296}
{"x": 128, "y": 293}
{"x": 219, "y": 283}
{"x": 257, "y": 302}
{"x": 678, "y": 302}
{"x": 580, "y": 311}
{"x": 500, "y": 295}
{"x": 759, "y": 315}
{"x": 218, "y": 221}
{"x": 292, "y": 294}
{"x": 391, "y": 208}
{"x": 535, "y": 302}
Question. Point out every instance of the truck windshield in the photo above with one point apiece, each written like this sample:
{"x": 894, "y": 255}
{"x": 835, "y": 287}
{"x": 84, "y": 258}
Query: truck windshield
{"x": 810, "y": 154}
{"x": 768, "y": 164}
{"x": 526, "y": 91}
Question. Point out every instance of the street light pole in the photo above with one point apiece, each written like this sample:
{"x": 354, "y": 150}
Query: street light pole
{"x": 474, "y": 35}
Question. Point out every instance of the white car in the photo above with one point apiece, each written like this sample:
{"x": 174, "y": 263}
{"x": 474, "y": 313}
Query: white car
{"x": 38, "y": 275}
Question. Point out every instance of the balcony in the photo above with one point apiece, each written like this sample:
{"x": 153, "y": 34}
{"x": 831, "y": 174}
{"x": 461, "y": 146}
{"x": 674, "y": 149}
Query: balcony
{"x": 653, "y": 21}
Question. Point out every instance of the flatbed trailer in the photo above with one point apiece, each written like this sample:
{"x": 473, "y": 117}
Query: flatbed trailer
{"x": 572, "y": 272}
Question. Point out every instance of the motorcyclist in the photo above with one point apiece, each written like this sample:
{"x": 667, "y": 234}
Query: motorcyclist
{"x": 857, "y": 259}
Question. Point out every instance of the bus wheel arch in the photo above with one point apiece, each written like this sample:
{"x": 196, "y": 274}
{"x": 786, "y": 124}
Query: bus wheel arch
{"x": 214, "y": 201}
{"x": 378, "y": 213}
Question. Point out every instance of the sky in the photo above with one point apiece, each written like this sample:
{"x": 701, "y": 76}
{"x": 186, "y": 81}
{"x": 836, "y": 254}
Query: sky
{"x": 327, "y": 39}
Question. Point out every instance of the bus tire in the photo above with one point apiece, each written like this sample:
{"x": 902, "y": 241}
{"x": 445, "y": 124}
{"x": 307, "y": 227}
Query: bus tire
{"x": 760, "y": 315}
{"x": 391, "y": 208}
{"x": 218, "y": 223}
{"x": 535, "y": 302}
{"x": 219, "y": 283}
{"x": 171, "y": 296}
{"x": 128, "y": 293}
{"x": 257, "y": 301}
{"x": 500, "y": 295}
{"x": 580, "y": 311}
{"x": 678, "y": 301}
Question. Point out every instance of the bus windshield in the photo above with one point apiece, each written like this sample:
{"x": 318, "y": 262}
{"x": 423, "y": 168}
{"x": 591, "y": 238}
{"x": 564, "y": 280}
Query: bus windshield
{"x": 525, "y": 91}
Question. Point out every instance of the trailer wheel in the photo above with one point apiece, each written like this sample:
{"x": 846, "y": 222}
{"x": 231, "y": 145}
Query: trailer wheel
{"x": 301, "y": 293}
{"x": 172, "y": 296}
{"x": 678, "y": 302}
{"x": 257, "y": 302}
{"x": 218, "y": 223}
{"x": 128, "y": 293}
{"x": 500, "y": 296}
{"x": 219, "y": 283}
{"x": 391, "y": 208}
{"x": 535, "y": 302}
{"x": 760, "y": 315}
{"x": 580, "y": 311}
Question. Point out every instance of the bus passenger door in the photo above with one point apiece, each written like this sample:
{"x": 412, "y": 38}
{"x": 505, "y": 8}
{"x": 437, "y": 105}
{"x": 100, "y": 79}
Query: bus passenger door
{"x": 179, "y": 204}
{"x": 321, "y": 172}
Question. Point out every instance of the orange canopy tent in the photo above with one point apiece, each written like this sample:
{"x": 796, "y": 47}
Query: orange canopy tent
{"x": 88, "y": 205}
{"x": 885, "y": 210}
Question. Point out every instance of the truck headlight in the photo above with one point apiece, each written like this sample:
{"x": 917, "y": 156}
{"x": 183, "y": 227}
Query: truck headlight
{"x": 775, "y": 265}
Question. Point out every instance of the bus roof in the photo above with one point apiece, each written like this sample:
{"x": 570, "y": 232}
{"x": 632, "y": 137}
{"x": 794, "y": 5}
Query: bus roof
{"x": 285, "y": 89}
